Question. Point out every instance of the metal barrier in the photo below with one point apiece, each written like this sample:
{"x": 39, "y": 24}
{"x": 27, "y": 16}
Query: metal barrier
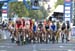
{"x": 4, "y": 34}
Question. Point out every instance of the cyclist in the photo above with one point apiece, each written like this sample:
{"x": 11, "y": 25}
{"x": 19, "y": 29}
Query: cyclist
{"x": 18, "y": 30}
{"x": 53, "y": 29}
{"x": 63, "y": 28}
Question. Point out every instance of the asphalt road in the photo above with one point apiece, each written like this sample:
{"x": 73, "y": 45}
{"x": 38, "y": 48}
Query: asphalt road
{"x": 6, "y": 45}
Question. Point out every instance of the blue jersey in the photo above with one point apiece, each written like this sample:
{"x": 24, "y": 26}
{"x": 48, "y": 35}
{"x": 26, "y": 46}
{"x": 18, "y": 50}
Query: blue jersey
{"x": 53, "y": 27}
{"x": 34, "y": 28}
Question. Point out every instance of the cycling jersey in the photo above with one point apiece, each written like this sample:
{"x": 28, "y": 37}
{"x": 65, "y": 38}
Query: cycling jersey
{"x": 53, "y": 27}
{"x": 34, "y": 28}
{"x": 63, "y": 26}
{"x": 23, "y": 24}
{"x": 27, "y": 24}
{"x": 18, "y": 24}
{"x": 31, "y": 24}
{"x": 47, "y": 27}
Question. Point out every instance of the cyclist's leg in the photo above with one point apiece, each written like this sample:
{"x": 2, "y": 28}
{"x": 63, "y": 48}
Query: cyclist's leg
{"x": 13, "y": 37}
{"x": 62, "y": 36}
{"x": 17, "y": 37}
{"x": 57, "y": 36}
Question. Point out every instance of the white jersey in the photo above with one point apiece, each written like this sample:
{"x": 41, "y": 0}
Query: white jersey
{"x": 10, "y": 26}
{"x": 27, "y": 24}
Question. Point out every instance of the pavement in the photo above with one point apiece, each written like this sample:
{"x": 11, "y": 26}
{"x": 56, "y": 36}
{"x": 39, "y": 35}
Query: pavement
{"x": 6, "y": 45}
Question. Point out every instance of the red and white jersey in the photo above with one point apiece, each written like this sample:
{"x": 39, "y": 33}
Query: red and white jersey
{"x": 31, "y": 24}
{"x": 18, "y": 23}
{"x": 23, "y": 23}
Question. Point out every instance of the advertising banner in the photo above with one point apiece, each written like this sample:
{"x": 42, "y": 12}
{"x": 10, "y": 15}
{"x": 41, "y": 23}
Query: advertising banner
{"x": 67, "y": 10}
{"x": 3, "y": 0}
{"x": 31, "y": 4}
{"x": 4, "y": 11}
{"x": 73, "y": 31}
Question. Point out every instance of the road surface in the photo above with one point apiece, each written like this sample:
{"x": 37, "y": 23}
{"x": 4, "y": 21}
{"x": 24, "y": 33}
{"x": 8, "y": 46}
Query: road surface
{"x": 6, "y": 45}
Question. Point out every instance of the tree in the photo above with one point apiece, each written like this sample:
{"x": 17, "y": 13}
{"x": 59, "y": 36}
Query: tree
{"x": 36, "y": 14}
{"x": 18, "y": 8}
{"x": 44, "y": 12}
{"x": 59, "y": 2}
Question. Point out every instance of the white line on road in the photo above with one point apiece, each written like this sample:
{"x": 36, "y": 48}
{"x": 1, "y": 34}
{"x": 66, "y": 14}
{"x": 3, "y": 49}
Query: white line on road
{"x": 70, "y": 50}
{"x": 55, "y": 49}
{"x": 34, "y": 47}
{"x": 67, "y": 44}
{"x": 3, "y": 50}
{"x": 9, "y": 46}
{"x": 2, "y": 46}
{"x": 61, "y": 46}
{"x": 6, "y": 46}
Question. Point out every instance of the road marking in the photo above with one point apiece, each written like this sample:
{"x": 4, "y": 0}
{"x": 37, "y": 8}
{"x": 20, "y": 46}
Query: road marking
{"x": 70, "y": 50}
{"x": 6, "y": 46}
{"x": 61, "y": 46}
{"x": 3, "y": 50}
{"x": 2, "y": 46}
{"x": 34, "y": 47}
{"x": 55, "y": 49}
{"x": 9, "y": 46}
{"x": 34, "y": 50}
